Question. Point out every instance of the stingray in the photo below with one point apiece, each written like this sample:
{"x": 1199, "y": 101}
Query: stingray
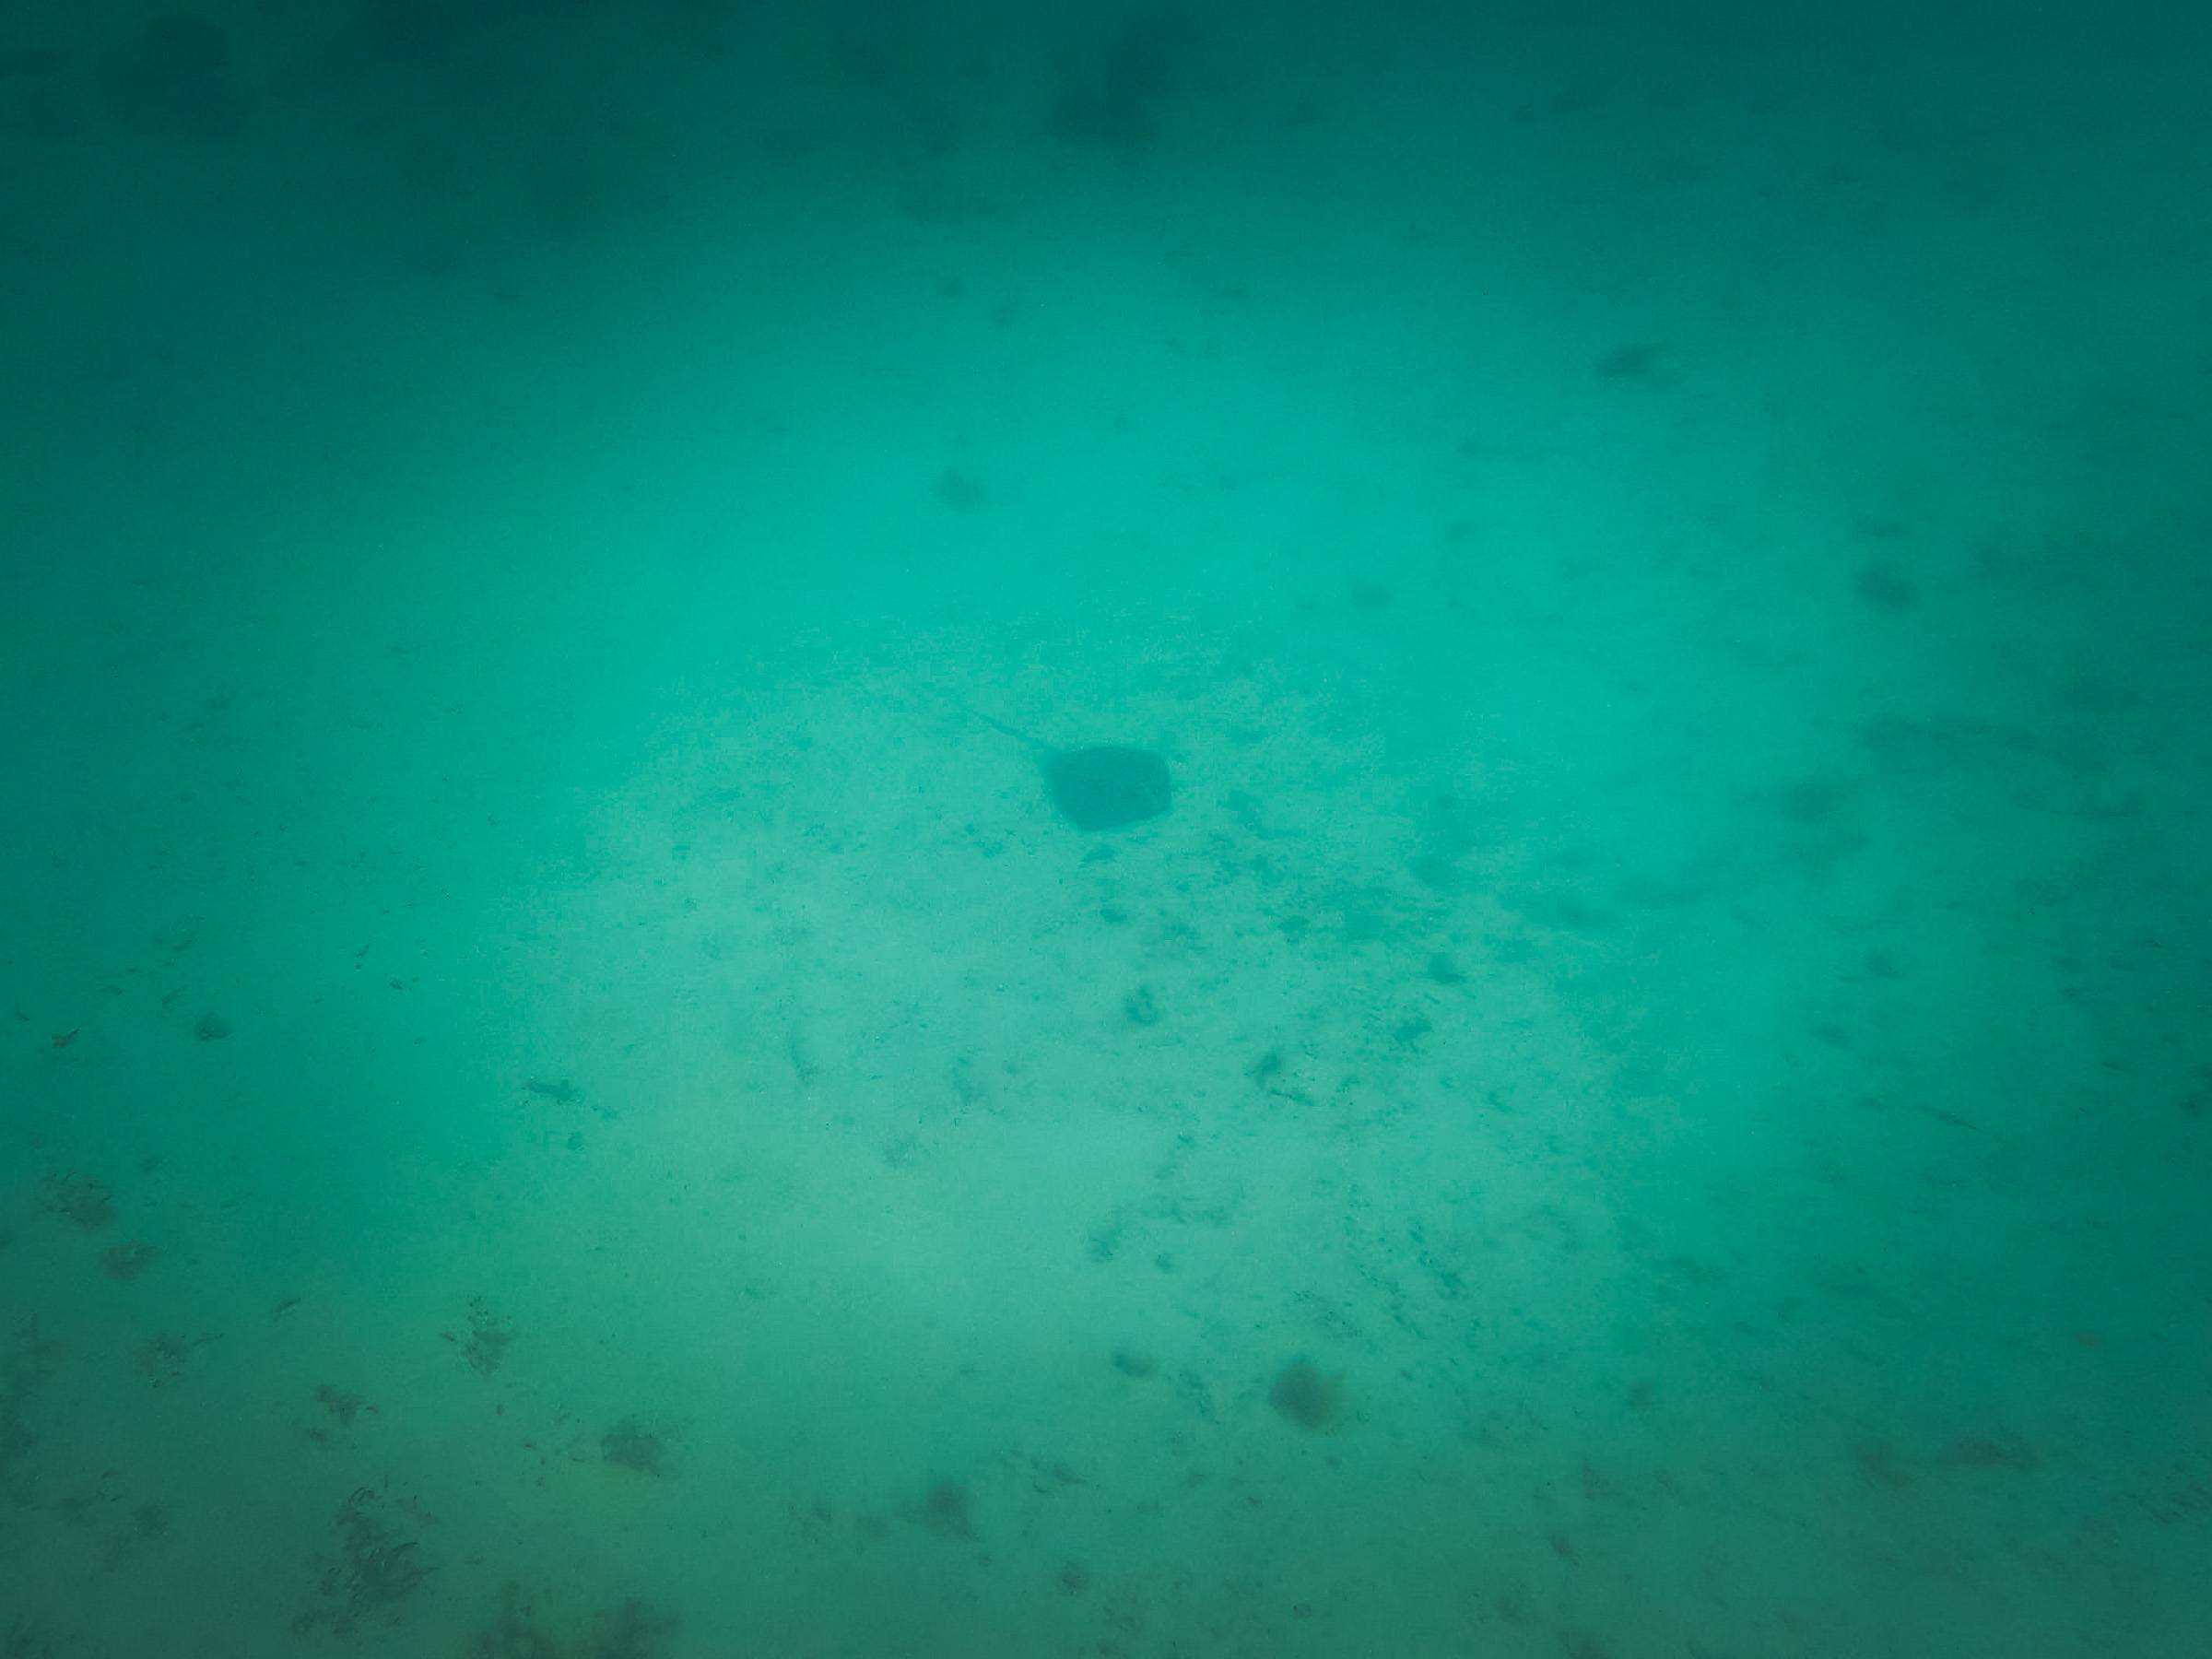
{"x": 1104, "y": 786}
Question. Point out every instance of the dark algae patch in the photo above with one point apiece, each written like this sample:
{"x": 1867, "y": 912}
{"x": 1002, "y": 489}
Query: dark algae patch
{"x": 489, "y": 1336}
{"x": 81, "y": 1200}
{"x": 378, "y": 1565}
{"x": 1311, "y": 1398}
{"x": 128, "y": 1261}
{"x": 946, "y": 1510}
{"x": 632, "y": 1630}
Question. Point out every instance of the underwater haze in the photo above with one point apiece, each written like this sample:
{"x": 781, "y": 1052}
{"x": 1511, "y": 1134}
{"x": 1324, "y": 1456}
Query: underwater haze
{"x": 869, "y": 829}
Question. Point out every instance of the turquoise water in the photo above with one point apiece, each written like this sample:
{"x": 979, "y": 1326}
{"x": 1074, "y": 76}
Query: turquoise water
{"x": 569, "y": 1088}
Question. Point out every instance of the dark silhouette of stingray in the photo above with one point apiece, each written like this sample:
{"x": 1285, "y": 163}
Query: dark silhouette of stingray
{"x": 1104, "y": 786}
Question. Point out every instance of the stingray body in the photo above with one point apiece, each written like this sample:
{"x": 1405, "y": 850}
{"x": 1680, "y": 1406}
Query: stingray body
{"x": 1104, "y": 786}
